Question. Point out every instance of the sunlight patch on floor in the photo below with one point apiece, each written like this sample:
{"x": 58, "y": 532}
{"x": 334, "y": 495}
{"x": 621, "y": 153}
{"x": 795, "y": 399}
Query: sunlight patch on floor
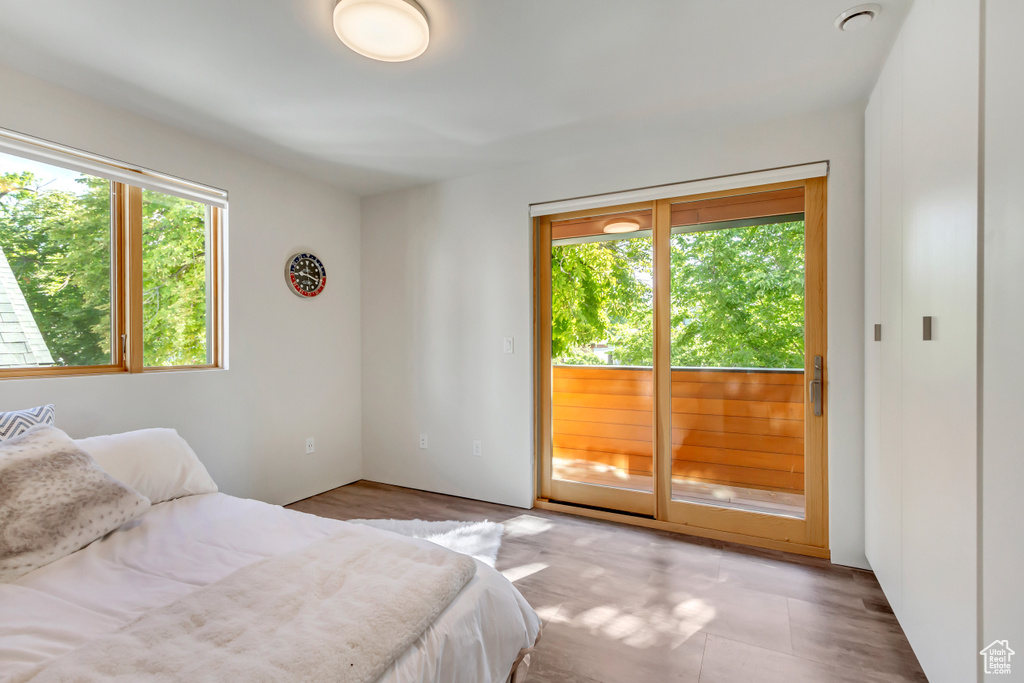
{"x": 514, "y": 574}
{"x": 656, "y": 626}
{"x": 526, "y": 525}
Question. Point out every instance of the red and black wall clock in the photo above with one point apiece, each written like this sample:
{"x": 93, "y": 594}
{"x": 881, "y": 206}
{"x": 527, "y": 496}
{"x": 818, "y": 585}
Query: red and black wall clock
{"x": 305, "y": 274}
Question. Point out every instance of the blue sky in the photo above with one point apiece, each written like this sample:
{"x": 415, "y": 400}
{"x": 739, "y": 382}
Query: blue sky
{"x": 54, "y": 177}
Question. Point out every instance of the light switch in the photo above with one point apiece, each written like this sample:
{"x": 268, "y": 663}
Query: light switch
{"x": 510, "y": 346}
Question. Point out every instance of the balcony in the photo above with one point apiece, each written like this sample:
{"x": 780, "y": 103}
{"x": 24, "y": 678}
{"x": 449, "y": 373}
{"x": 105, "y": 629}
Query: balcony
{"x": 737, "y": 434}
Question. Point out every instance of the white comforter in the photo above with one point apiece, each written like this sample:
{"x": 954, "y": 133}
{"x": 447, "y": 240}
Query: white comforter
{"x": 191, "y": 542}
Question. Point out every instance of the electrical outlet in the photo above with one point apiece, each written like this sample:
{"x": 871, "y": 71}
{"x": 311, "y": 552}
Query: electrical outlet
{"x": 310, "y": 446}
{"x": 423, "y": 440}
{"x": 510, "y": 345}
{"x": 477, "y": 448}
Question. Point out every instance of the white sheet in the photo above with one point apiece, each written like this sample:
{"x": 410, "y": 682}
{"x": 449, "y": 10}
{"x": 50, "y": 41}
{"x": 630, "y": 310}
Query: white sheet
{"x": 190, "y": 542}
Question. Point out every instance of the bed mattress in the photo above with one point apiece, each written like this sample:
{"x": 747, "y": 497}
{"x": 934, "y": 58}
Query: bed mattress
{"x": 184, "y": 544}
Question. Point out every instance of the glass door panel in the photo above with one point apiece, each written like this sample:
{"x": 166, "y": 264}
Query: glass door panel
{"x": 602, "y": 445}
{"x": 737, "y": 352}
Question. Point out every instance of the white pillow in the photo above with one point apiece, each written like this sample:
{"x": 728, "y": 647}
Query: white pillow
{"x": 157, "y": 463}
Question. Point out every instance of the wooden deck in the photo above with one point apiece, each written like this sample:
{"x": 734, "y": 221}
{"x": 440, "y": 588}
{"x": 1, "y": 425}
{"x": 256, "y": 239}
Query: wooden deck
{"x": 785, "y": 503}
{"x": 735, "y": 433}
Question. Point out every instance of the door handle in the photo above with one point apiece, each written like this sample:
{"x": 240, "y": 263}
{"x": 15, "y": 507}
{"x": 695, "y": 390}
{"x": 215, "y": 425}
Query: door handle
{"x": 816, "y": 386}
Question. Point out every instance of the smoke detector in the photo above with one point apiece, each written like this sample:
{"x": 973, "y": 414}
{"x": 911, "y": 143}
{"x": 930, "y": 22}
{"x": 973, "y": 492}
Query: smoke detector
{"x": 857, "y": 17}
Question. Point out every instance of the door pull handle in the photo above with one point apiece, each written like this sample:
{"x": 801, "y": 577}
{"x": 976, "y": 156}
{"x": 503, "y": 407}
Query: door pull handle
{"x": 817, "y": 385}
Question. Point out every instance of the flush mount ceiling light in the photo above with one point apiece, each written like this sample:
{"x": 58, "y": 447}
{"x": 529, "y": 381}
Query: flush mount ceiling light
{"x": 622, "y": 225}
{"x": 857, "y": 17}
{"x": 385, "y": 30}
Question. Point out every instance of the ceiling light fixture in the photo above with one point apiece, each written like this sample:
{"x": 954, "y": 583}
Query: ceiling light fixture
{"x": 857, "y": 17}
{"x": 622, "y": 225}
{"x": 385, "y": 30}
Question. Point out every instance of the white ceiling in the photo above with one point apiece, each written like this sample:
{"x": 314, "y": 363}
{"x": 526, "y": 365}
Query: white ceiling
{"x": 503, "y": 82}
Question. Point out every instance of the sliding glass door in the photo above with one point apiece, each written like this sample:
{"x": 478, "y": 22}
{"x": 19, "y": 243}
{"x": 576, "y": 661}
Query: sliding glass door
{"x": 681, "y": 362}
{"x": 601, "y": 360}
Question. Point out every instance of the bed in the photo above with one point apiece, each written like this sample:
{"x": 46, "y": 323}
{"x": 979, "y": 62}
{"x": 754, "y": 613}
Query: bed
{"x": 193, "y": 542}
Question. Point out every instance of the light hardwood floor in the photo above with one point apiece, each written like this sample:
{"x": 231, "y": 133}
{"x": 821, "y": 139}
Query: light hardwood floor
{"x": 627, "y": 604}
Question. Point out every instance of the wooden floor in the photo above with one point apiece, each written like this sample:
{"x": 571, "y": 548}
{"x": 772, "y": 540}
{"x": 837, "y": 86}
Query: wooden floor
{"x": 628, "y": 604}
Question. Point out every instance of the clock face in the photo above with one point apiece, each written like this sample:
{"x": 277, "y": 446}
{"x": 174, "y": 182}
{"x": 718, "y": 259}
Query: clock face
{"x": 306, "y": 275}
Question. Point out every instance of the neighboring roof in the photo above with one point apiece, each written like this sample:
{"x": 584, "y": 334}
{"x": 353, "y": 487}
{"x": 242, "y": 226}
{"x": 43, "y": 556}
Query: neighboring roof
{"x": 21, "y": 342}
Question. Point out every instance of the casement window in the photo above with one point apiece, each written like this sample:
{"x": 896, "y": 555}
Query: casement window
{"x": 104, "y": 267}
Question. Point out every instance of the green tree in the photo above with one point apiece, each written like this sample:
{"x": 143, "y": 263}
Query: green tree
{"x": 58, "y": 246}
{"x": 737, "y": 299}
{"x": 598, "y": 290}
{"x": 173, "y": 280}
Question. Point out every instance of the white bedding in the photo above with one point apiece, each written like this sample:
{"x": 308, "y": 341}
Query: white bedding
{"x": 187, "y": 543}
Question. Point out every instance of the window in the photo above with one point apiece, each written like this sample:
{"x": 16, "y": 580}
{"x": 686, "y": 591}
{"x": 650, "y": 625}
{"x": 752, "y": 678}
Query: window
{"x": 56, "y": 267}
{"x": 176, "y": 284}
{"x": 103, "y": 267}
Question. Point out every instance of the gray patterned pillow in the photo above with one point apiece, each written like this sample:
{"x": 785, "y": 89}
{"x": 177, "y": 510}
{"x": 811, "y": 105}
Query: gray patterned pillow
{"x": 55, "y": 499}
{"x": 15, "y": 422}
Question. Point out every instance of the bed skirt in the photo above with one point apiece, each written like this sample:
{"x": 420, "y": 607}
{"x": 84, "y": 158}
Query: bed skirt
{"x": 521, "y": 666}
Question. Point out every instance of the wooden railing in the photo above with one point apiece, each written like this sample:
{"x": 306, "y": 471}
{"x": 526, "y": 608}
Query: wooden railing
{"x": 733, "y": 427}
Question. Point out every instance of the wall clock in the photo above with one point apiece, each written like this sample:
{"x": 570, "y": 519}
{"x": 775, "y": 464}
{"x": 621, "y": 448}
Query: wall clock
{"x": 305, "y": 274}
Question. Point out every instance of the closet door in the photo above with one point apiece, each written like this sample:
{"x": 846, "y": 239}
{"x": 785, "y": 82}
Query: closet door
{"x": 873, "y": 532}
{"x": 940, "y": 91}
{"x": 887, "y": 559}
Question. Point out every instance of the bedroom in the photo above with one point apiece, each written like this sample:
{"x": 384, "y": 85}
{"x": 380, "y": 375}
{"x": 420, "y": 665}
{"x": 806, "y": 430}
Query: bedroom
{"x": 413, "y": 183}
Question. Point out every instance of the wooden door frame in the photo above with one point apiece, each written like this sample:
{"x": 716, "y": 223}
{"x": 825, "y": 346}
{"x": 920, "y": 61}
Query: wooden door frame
{"x": 808, "y": 536}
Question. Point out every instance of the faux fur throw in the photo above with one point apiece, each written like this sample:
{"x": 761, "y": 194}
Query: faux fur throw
{"x": 55, "y": 499}
{"x": 341, "y": 609}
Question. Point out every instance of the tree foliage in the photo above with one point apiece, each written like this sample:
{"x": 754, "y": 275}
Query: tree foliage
{"x": 737, "y": 299}
{"x": 174, "y": 280}
{"x": 58, "y": 244}
{"x": 598, "y": 290}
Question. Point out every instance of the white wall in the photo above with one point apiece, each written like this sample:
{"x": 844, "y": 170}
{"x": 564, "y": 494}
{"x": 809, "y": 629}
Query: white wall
{"x": 922, "y": 459}
{"x": 294, "y": 366}
{"x": 447, "y": 273}
{"x": 1003, "y": 452}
